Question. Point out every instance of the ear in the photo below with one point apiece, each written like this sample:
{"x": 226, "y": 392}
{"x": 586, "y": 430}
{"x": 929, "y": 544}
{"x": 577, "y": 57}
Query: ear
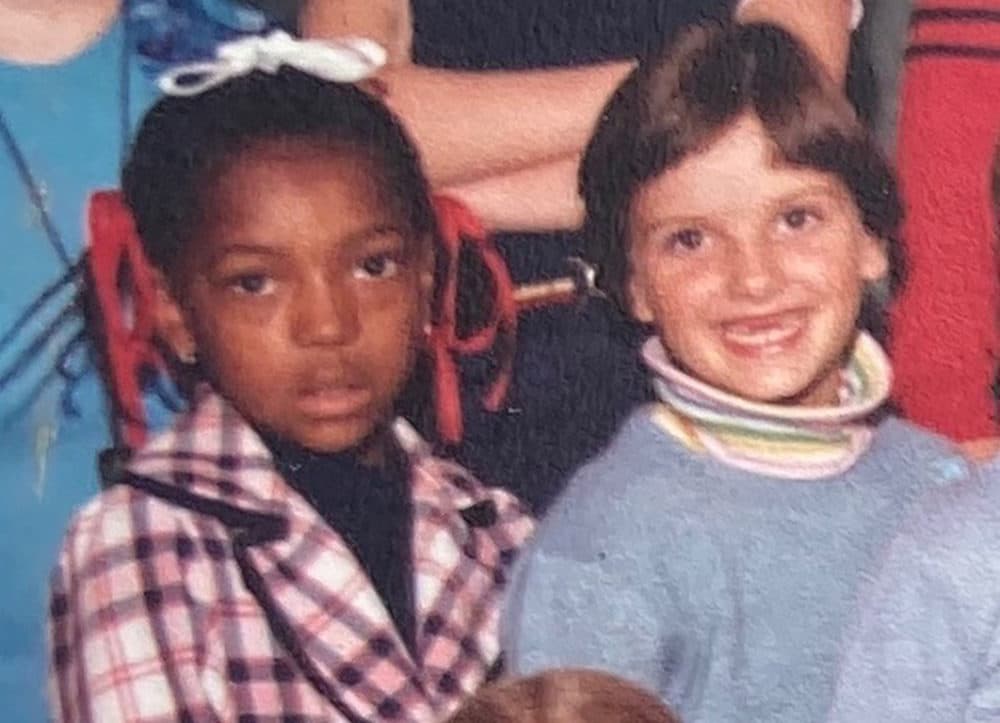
{"x": 427, "y": 262}
{"x": 874, "y": 261}
{"x": 171, "y": 324}
{"x": 426, "y": 280}
{"x": 638, "y": 297}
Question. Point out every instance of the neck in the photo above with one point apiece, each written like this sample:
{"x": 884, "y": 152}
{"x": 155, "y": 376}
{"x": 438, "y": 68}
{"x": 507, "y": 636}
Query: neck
{"x": 377, "y": 452}
{"x": 47, "y": 32}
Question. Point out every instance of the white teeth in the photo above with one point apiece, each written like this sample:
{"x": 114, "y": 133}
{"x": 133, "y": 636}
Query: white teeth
{"x": 764, "y": 337}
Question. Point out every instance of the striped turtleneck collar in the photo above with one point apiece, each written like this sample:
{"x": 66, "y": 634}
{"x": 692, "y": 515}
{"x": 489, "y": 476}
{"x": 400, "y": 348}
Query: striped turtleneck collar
{"x": 779, "y": 441}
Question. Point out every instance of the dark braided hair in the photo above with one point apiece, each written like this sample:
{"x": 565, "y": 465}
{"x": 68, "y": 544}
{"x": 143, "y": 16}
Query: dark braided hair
{"x": 185, "y": 142}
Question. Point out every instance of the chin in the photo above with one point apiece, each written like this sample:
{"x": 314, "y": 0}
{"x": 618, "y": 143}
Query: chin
{"x": 764, "y": 396}
{"x": 779, "y": 398}
{"x": 331, "y": 438}
{"x": 790, "y": 392}
{"x": 772, "y": 391}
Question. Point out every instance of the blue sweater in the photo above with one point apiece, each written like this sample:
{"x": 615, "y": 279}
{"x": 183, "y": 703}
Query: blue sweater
{"x": 928, "y": 644}
{"x": 725, "y": 591}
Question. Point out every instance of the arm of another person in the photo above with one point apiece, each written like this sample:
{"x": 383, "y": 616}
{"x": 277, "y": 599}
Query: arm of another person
{"x": 476, "y": 125}
{"x": 544, "y": 196}
{"x": 536, "y": 199}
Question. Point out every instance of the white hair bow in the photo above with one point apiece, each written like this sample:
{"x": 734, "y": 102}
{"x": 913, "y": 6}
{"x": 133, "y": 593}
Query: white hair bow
{"x": 346, "y": 60}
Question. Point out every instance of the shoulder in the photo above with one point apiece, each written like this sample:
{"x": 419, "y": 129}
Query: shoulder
{"x": 604, "y": 550}
{"x": 116, "y": 517}
{"x": 128, "y": 544}
{"x": 639, "y": 455}
{"x": 904, "y": 446}
{"x": 639, "y": 452}
{"x": 134, "y": 593}
{"x": 895, "y": 430}
{"x": 449, "y": 488}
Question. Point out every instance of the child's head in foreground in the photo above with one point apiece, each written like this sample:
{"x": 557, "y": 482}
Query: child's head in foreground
{"x": 564, "y": 696}
{"x": 293, "y": 231}
{"x": 736, "y": 204}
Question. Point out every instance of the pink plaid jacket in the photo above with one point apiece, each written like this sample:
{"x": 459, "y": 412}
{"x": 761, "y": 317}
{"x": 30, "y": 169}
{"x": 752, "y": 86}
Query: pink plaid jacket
{"x": 205, "y": 589}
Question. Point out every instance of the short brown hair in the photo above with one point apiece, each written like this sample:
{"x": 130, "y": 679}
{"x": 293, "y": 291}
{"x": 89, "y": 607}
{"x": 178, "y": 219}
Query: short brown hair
{"x": 564, "y": 696}
{"x": 679, "y": 101}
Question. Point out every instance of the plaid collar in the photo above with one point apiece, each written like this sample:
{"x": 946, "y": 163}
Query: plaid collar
{"x": 464, "y": 535}
{"x": 212, "y": 453}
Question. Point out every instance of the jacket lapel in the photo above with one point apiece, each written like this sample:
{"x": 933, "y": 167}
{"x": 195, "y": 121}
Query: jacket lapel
{"x": 458, "y": 587}
{"x": 337, "y": 618}
{"x": 452, "y": 563}
{"x": 330, "y": 612}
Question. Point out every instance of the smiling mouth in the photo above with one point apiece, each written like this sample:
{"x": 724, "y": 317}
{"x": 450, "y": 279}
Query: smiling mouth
{"x": 333, "y": 402}
{"x": 764, "y": 335}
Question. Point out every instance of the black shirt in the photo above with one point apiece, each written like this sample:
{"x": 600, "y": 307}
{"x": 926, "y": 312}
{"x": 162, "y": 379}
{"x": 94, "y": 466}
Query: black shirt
{"x": 371, "y": 509}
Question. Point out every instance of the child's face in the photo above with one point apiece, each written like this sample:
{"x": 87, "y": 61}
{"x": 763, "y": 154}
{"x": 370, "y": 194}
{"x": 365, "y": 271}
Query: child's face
{"x": 751, "y": 270}
{"x": 302, "y": 297}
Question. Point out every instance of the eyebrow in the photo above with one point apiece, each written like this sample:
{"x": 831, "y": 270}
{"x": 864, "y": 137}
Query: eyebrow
{"x": 246, "y": 247}
{"x": 375, "y": 231}
{"x": 262, "y": 249}
{"x": 817, "y": 187}
{"x": 680, "y": 222}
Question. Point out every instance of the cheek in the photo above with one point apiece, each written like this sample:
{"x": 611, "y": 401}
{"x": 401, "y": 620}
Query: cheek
{"x": 392, "y": 332}
{"x": 835, "y": 273}
{"x": 392, "y": 311}
{"x": 234, "y": 361}
{"x": 680, "y": 292}
{"x": 230, "y": 338}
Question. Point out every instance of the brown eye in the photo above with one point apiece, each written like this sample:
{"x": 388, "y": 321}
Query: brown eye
{"x": 688, "y": 239}
{"x": 252, "y": 284}
{"x": 798, "y": 218}
{"x": 378, "y": 266}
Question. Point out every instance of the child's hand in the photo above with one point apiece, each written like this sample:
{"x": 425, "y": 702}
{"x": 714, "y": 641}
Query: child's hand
{"x": 981, "y": 450}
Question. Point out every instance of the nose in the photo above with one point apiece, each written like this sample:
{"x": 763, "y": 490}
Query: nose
{"x": 325, "y": 313}
{"x": 754, "y": 269}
